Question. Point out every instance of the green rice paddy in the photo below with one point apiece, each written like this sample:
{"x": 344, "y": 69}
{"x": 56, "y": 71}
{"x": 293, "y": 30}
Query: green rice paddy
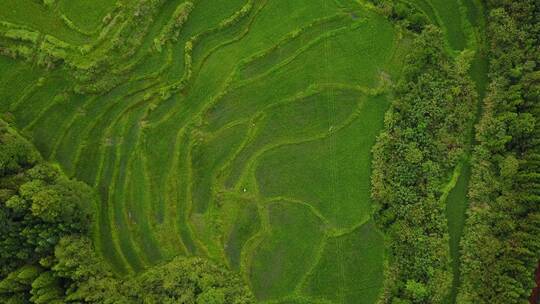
{"x": 244, "y": 136}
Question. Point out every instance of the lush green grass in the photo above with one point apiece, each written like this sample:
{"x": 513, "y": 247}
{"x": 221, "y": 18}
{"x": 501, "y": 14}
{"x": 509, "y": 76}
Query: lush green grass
{"x": 456, "y": 205}
{"x": 293, "y": 121}
{"x": 209, "y": 155}
{"x": 241, "y": 223}
{"x": 452, "y": 19}
{"x": 455, "y": 17}
{"x": 39, "y": 17}
{"x": 17, "y": 82}
{"x": 338, "y": 166}
{"x": 427, "y": 8}
{"x": 350, "y": 268}
{"x": 286, "y": 251}
{"x": 475, "y": 12}
{"x": 137, "y": 204}
{"x": 87, "y": 15}
{"x": 248, "y": 140}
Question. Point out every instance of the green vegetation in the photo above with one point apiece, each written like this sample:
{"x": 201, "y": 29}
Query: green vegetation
{"x": 268, "y": 151}
{"x": 423, "y": 141}
{"x": 353, "y": 261}
{"x": 500, "y": 246}
{"x": 39, "y": 205}
{"x": 185, "y": 123}
{"x": 456, "y": 205}
{"x": 47, "y": 256}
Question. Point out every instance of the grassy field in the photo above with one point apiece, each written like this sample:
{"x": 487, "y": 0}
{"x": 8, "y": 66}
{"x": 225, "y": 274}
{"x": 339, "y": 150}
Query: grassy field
{"x": 241, "y": 133}
{"x": 457, "y": 203}
{"x": 459, "y": 19}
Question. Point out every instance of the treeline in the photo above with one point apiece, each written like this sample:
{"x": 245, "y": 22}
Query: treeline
{"x": 38, "y": 207}
{"x": 47, "y": 255}
{"x": 424, "y": 138}
{"x": 501, "y": 244}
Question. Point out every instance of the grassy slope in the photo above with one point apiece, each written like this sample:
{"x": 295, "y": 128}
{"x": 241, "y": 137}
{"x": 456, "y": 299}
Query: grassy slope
{"x": 86, "y": 15}
{"x": 37, "y": 16}
{"x": 281, "y": 90}
{"x": 167, "y": 188}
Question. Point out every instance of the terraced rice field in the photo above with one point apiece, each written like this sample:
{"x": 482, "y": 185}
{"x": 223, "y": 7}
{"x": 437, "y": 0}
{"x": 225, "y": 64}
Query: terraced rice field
{"x": 238, "y": 130}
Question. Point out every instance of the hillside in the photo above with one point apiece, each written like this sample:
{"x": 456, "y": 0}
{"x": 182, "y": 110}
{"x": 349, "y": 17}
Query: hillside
{"x": 287, "y": 151}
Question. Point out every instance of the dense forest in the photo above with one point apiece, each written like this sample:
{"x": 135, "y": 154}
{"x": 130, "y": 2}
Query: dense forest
{"x": 501, "y": 245}
{"x": 500, "y": 248}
